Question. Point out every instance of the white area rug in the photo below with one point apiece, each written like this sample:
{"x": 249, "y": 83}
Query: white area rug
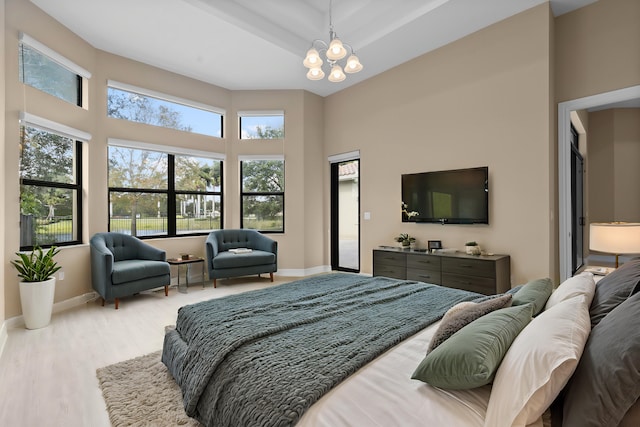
{"x": 142, "y": 392}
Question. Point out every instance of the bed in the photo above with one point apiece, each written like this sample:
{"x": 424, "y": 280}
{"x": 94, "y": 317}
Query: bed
{"x": 257, "y": 358}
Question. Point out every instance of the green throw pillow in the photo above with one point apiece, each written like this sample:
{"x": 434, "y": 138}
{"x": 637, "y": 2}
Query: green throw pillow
{"x": 471, "y": 356}
{"x": 536, "y": 292}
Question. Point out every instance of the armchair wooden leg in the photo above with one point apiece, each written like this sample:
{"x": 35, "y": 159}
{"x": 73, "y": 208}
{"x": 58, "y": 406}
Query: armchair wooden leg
{"x": 215, "y": 282}
{"x": 102, "y": 301}
{"x": 271, "y": 275}
{"x": 117, "y": 301}
{"x": 166, "y": 290}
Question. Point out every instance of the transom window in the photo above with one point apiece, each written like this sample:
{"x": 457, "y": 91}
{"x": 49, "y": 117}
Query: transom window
{"x": 145, "y": 106}
{"x": 50, "y": 72}
{"x": 155, "y": 193}
{"x": 262, "y": 197}
{"x": 50, "y": 188}
{"x": 261, "y": 124}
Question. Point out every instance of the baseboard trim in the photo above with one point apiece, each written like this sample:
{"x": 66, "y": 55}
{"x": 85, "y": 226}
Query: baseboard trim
{"x": 303, "y": 272}
{"x": 18, "y": 321}
{"x": 3, "y": 337}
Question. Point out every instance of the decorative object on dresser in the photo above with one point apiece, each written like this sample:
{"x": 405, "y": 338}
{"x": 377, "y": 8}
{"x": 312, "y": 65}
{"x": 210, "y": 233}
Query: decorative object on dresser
{"x": 488, "y": 274}
{"x": 405, "y": 240}
{"x": 38, "y": 285}
{"x": 472, "y": 248}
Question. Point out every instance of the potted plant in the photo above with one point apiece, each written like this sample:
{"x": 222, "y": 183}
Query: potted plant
{"x": 405, "y": 240}
{"x": 472, "y": 248}
{"x": 38, "y": 284}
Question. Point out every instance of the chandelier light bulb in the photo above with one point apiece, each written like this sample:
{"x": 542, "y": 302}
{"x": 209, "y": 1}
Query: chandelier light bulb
{"x": 353, "y": 65}
{"x": 315, "y": 74}
{"x": 312, "y": 60}
{"x": 337, "y": 75}
{"x": 336, "y": 50}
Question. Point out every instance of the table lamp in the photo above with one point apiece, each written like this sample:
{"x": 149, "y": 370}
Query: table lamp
{"x": 615, "y": 237}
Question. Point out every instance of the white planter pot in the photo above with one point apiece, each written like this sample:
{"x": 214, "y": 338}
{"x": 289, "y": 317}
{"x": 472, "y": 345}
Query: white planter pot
{"x": 473, "y": 250}
{"x": 37, "y": 302}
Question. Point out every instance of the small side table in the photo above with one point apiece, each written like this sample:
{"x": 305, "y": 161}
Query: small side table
{"x": 188, "y": 262}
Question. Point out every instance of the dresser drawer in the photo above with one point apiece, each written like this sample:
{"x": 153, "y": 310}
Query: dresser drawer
{"x": 421, "y": 275}
{"x": 394, "y": 271}
{"x": 481, "y": 285}
{"x": 389, "y": 258}
{"x": 471, "y": 267}
{"x": 423, "y": 262}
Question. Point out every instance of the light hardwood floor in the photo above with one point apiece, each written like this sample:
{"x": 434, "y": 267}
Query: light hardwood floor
{"x": 48, "y": 375}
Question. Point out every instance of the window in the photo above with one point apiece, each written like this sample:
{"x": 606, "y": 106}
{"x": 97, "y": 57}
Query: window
{"x": 46, "y": 70}
{"x": 144, "y": 106}
{"x": 50, "y": 189}
{"x": 261, "y": 124}
{"x": 155, "y": 193}
{"x": 262, "y": 198}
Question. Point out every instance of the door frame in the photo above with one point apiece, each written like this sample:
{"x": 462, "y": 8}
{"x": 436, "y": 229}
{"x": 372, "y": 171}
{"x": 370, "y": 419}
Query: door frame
{"x": 333, "y": 196}
{"x": 564, "y": 165}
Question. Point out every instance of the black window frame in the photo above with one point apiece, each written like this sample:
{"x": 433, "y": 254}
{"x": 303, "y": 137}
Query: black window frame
{"x": 171, "y": 194}
{"x": 77, "y": 186}
{"x": 261, "y": 193}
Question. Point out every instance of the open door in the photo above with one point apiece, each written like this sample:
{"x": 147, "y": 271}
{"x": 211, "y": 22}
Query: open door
{"x": 345, "y": 215}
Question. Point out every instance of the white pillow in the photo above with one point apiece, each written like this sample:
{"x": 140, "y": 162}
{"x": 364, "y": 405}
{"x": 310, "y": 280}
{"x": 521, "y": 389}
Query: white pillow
{"x": 581, "y": 284}
{"x": 538, "y": 364}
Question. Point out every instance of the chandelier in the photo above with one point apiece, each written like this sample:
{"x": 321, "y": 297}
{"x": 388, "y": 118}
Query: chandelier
{"x": 335, "y": 51}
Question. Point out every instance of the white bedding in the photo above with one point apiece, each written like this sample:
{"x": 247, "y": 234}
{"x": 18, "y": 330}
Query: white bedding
{"x": 383, "y": 394}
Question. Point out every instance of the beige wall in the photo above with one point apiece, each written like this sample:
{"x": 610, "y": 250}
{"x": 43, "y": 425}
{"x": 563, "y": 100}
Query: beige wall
{"x": 483, "y": 100}
{"x": 613, "y": 158}
{"x": 597, "y": 49}
{"x": 302, "y": 148}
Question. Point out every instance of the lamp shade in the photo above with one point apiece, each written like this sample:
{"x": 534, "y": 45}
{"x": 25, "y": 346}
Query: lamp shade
{"x": 336, "y": 50}
{"x": 615, "y": 237}
{"x": 312, "y": 60}
{"x": 315, "y": 74}
{"x": 353, "y": 65}
{"x": 337, "y": 75}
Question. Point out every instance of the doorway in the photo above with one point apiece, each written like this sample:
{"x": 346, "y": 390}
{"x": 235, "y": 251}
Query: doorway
{"x": 577, "y": 204}
{"x": 565, "y": 237}
{"x": 345, "y": 215}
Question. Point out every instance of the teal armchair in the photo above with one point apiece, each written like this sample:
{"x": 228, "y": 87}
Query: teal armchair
{"x": 221, "y": 263}
{"x": 122, "y": 265}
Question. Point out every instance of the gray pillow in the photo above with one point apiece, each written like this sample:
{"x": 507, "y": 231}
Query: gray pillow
{"x": 536, "y": 293}
{"x": 613, "y": 289}
{"x": 457, "y": 318}
{"x": 606, "y": 382}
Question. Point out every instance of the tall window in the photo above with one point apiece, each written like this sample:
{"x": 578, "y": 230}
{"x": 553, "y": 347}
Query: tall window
{"x": 145, "y": 106}
{"x": 261, "y": 124}
{"x": 154, "y": 193}
{"x": 50, "y": 189}
{"x": 46, "y": 70}
{"x": 262, "y": 198}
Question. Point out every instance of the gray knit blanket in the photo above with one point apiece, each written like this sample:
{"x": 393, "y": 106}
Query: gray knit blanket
{"x": 262, "y": 358}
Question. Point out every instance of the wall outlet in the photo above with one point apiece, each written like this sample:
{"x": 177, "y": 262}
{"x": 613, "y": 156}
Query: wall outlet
{"x": 61, "y": 275}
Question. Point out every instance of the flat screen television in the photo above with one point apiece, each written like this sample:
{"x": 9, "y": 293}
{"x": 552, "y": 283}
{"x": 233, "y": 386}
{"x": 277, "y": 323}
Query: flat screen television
{"x": 458, "y": 196}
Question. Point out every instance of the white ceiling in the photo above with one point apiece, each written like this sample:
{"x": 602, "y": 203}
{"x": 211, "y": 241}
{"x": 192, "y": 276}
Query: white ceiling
{"x": 250, "y": 44}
